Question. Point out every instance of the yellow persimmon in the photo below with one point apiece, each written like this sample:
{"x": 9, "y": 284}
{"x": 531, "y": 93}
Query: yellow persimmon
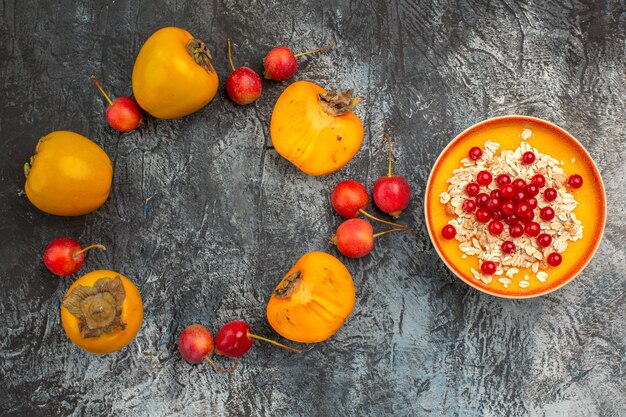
{"x": 173, "y": 75}
{"x": 314, "y": 129}
{"x": 69, "y": 175}
{"x": 102, "y": 311}
{"x": 313, "y": 299}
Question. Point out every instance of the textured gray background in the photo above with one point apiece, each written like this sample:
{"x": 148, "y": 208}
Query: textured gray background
{"x": 205, "y": 217}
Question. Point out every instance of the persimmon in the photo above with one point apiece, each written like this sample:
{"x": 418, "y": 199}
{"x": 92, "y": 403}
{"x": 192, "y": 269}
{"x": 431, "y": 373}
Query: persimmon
{"x": 69, "y": 175}
{"x": 316, "y": 129}
{"x": 173, "y": 75}
{"x": 102, "y": 311}
{"x": 313, "y": 300}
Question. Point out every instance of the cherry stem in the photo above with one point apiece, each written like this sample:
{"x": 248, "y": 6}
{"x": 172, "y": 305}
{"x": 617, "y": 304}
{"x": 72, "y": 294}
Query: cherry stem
{"x": 388, "y": 139}
{"x": 366, "y": 214}
{"x": 230, "y": 57}
{"x": 97, "y": 83}
{"x": 220, "y": 369}
{"x": 325, "y": 48}
{"x": 97, "y": 245}
{"x": 400, "y": 229}
{"x": 254, "y": 336}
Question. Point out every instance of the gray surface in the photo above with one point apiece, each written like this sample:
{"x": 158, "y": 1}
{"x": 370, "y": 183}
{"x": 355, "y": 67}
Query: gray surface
{"x": 206, "y": 218}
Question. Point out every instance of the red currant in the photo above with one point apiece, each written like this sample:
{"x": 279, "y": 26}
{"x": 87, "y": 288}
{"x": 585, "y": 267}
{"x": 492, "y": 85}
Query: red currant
{"x": 497, "y": 215}
{"x": 481, "y": 199}
{"x": 448, "y": 231}
{"x": 516, "y": 230}
{"x": 519, "y": 184}
{"x": 503, "y": 179}
{"x": 475, "y": 153}
{"x": 469, "y": 206}
{"x": 496, "y": 193}
{"x": 522, "y": 210}
{"x": 532, "y": 202}
{"x": 493, "y": 204}
{"x": 575, "y": 181}
{"x": 555, "y": 259}
{"x": 547, "y": 213}
{"x": 495, "y": 227}
{"x": 544, "y": 240}
{"x": 484, "y": 178}
{"x": 533, "y": 229}
{"x": 507, "y": 190}
{"x": 531, "y": 190}
{"x": 528, "y": 158}
{"x": 472, "y": 189}
{"x": 508, "y": 208}
{"x": 519, "y": 196}
{"x": 511, "y": 220}
{"x": 549, "y": 194}
{"x": 508, "y": 246}
{"x": 488, "y": 268}
{"x": 482, "y": 215}
{"x": 539, "y": 180}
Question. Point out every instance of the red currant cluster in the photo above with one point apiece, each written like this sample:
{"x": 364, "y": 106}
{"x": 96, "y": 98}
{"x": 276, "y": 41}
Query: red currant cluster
{"x": 513, "y": 203}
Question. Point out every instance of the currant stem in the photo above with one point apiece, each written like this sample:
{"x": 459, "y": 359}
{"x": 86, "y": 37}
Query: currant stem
{"x": 325, "y": 48}
{"x": 366, "y": 214}
{"x": 399, "y": 229}
{"x": 230, "y": 57}
{"x": 97, "y": 245}
{"x": 97, "y": 83}
{"x": 254, "y": 336}
{"x": 220, "y": 369}
{"x": 388, "y": 139}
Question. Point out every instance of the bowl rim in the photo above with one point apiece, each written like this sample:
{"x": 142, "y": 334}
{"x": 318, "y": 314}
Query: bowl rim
{"x": 476, "y": 126}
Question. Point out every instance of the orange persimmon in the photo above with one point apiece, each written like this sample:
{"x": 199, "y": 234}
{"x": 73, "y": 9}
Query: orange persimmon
{"x": 102, "y": 311}
{"x": 313, "y": 300}
{"x": 314, "y": 129}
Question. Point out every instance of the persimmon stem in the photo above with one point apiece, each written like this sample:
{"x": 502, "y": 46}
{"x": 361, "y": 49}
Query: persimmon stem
{"x": 97, "y": 245}
{"x": 97, "y": 83}
{"x": 399, "y": 229}
{"x": 325, "y": 48}
{"x": 388, "y": 139}
{"x": 230, "y": 57}
{"x": 220, "y": 369}
{"x": 405, "y": 228}
{"x": 254, "y": 336}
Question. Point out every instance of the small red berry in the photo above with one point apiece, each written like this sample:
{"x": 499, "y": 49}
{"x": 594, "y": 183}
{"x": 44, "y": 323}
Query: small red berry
{"x": 547, "y": 213}
{"x": 497, "y": 215}
{"x": 544, "y": 240}
{"x": 508, "y": 208}
{"x": 555, "y": 259}
{"x": 496, "y": 193}
{"x": 508, "y": 246}
{"x": 528, "y": 158}
{"x": 533, "y": 229}
{"x": 539, "y": 180}
{"x": 519, "y": 196}
{"x": 511, "y": 220}
{"x": 516, "y": 230}
{"x": 469, "y": 206}
{"x": 531, "y": 190}
{"x": 549, "y": 194}
{"x": 475, "y": 153}
{"x": 495, "y": 227}
{"x": 484, "y": 178}
{"x": 348, "y": 198}
{"x": 488, "y": 268}
{"x": 481, "y": 199}
{"x": 503, "y": 179}
{"x": 508, "y": 191}
{"x": 448, "y": 231}
{"x": 472, "y": 189}
{"x": 574, "y": 181}
{"x": 482, "y": 215}
{"x": 522, "y": 210}
{"x": 532, "y": 202}
{"x": 519, "y": 184}
{"x": 493, "y": 204}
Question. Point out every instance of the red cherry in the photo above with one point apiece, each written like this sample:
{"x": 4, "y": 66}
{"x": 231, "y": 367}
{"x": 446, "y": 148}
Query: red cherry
{"x": 234, "y": 340}
{"x": 244, "y": 86}
{"x": 555, "y": 259}
{"x": 493, "y": 204}
{"x": 195, "y": 343}
{"x": 448, "y": 231}
{"x": 482, "y": 215}
{"x": 354, "y": 238}
{"x": 503, "y": 179}
{"x": 472, "y": 189}
{"x": 528, "y": 158}
{"x": 123, "y": 113}
{"x": 574, "y": 181}
{"x": 281, "y": 64}
{"x": 508, "y": 208}
{"x": 481, "y": 199}
{"x": 516, "y": 230}
{"x": 531, "y": 190}
{"x": 508, "y": 246}
{"x": 519, "y": 184}
{"x": 519, "y": 196}
{"x": 349, "y": 198}
{"x": 538, "y": 180}
{"x": 532, "y": 202}
{"x": 495, "y": 227}
{"x": 488, "y": 268}
{"x": 64, "y": 256}
{"x": 391, "y": 193}
{"x": 507, "y": 190}
{"x": 511, "y": 220}
{"x": 544, "y": 240}
{"x": 497, "y": 215}
{"x": 484, "y": 178}
{"x": 533, "y": 229}
{"x": 549, "y": 194}
{"x": 469, "y": 206}
{"x": 547, "y": 213}
{"x": 475, "y": 153}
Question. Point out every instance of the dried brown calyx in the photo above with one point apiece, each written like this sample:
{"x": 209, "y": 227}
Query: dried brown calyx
{"x": 98, "y": 308}
{"x": 338, "y": 103}
{"x": 200, "y": 53}
{"x": 288, "y": 285}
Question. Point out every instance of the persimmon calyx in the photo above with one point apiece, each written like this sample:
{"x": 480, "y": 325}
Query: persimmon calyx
{"x": 98, "y": 308}
{"x": 338, "y": 103}
{"x": 288, "y": 285}
{"x": 200, "y": 53}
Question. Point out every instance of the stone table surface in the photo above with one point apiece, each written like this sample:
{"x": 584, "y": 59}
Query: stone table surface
{"x": 206, "y": 218}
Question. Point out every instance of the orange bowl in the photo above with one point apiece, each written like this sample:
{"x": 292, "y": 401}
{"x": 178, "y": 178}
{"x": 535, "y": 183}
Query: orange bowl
{"x": 548, "y": 139}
